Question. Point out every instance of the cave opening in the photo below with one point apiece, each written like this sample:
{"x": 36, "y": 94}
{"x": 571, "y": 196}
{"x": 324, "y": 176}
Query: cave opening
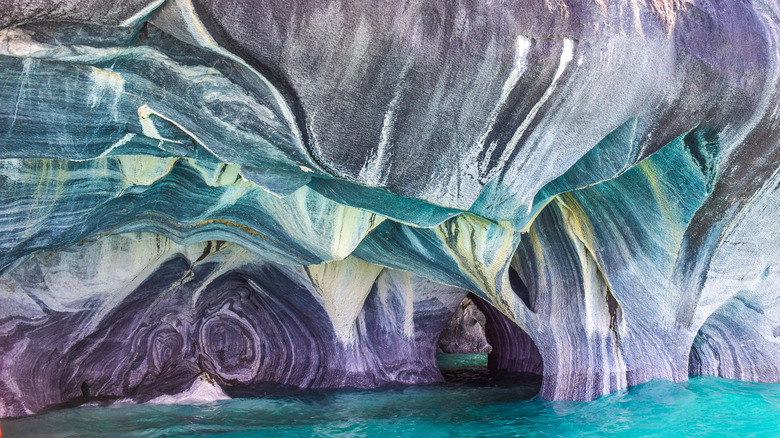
{"x": 479, "y": 346}
{"x": 462, "y": 349}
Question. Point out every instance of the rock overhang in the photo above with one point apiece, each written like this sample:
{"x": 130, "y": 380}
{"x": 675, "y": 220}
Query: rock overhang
{"x": 617, "y": 157}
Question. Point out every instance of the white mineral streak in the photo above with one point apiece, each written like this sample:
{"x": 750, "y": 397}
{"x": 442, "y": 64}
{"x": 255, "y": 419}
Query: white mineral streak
{"x": 597, "y": 318}
{"x": 203, "y": 390}
{"x": 408, "y": 309}
{"x": 99, "y": 273}
{"x": 415, "y": 289}
{"x": 182, "y": 11}
{"x": 123, "y": 141}
{"x": 147, "y": 124}
{"x": 523, "y": 46}
{"x": 377, "y": 163}
{"x": 106, "y": 81}
{"x": 317, "y": 218}
{"x": 391, "y": 279}
{"x": 343, "y": 287}
{"x": 18, "y": 43}
{"x": 142, "y": 15}
{"x": 28, "y": 65}
{"x": 567, "y": 54}
{"x": 231, "y": 257}
{"x": 221, "y": 175}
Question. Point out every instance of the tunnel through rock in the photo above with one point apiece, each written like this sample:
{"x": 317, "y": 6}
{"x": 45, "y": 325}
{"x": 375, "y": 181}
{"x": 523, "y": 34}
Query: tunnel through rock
{"x": 462, "y": 347}
{"x": 480, "y": 346}
{"x": 465, "y": 331}
{"x": 725, "y": 346}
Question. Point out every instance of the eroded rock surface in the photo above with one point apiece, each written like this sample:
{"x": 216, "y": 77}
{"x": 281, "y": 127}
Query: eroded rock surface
{"x": 302, "y": 193}
{"x": 465, "y": 331}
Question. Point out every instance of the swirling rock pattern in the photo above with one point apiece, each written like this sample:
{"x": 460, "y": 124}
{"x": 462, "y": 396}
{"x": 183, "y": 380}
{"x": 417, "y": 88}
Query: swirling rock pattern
{"x": 303, "y": 193}
{"x": 210, "y": 307}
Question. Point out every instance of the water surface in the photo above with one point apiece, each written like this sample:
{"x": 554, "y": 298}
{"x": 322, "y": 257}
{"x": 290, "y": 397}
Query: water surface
{"x": 703, "y": 406}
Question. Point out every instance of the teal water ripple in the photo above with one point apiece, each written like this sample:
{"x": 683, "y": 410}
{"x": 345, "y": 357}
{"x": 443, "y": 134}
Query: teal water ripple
{"x": 701, "y": 407}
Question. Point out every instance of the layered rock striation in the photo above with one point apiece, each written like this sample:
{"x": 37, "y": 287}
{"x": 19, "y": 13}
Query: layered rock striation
{"x": 303, "y": 193}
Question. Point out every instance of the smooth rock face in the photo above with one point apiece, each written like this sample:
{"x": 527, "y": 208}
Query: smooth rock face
{"x": 302, "y": 193}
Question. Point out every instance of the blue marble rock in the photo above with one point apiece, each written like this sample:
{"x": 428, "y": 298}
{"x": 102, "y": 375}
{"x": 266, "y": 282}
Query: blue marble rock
{"x": 253, "y": 192}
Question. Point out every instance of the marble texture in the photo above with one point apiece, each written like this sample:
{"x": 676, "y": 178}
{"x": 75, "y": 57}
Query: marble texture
{"x": 303, "y": 193}
{"x": 84, "y": 330}
{"x": 465, "y": 331}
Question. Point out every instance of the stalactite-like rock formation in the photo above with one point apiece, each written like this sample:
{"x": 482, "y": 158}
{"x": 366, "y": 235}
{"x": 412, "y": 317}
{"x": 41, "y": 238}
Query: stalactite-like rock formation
{"x": 302, "y": 194}
{"x": 176, "y": 311}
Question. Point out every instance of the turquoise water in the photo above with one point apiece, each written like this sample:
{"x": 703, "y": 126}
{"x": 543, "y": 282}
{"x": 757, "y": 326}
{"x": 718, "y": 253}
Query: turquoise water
{"x": 461, "y": 360}
{"x": 701, "y": 407}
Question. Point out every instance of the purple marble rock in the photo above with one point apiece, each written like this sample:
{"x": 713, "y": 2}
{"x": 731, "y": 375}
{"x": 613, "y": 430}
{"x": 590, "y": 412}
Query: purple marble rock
{"x": 243, "y": 321}
{"x": 199, "y": 196}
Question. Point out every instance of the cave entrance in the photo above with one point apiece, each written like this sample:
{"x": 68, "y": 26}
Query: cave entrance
{"x": 462, "y": 350}
{"x": 480, "y": 346}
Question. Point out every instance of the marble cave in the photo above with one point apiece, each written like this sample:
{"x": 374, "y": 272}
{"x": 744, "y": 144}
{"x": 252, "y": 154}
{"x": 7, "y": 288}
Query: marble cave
{"x": 302, "y": 193}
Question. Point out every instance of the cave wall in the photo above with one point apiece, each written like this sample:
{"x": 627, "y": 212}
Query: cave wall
{"x": 512, "y": 350}
{"x": 302, "y": 194}
{"x": 78, "y": 329}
